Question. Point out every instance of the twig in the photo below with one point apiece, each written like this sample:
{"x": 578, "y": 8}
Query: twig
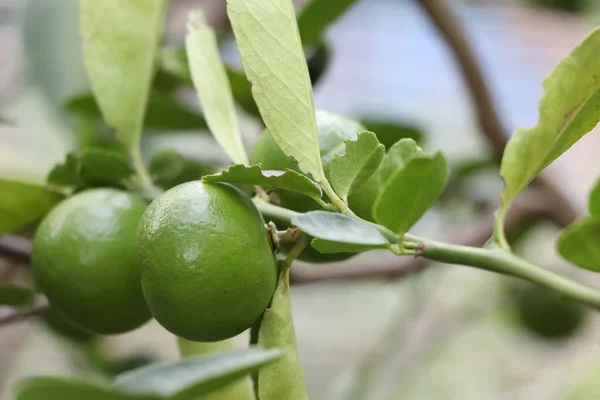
{"x": 15, "y": 247}
{"x": 21, "y": 315}
{"x": 533, "y": 206}
{"x": 491, "y": 127}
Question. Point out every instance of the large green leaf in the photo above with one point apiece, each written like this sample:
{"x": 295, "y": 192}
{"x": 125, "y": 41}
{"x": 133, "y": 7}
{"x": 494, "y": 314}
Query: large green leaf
{"x": 315, "y": 17}
{"x": 579, "y": 243}
{"x": 240, "y": 390}
{"x": 13, "y": 295}
{"x": 196, "y": 375}
{"x": 288, "y": 179}
{"x": 162, "y": 112}
{"x": 282, "y": 379}
{"x": 242, "y": 91}
{"x": 23, "y": 203}
{"x": 334, "y": 227}
{"x": 271, "y": 52}
{"x": 54, "y": 388}
{"x": 569, "y": 108}
{"x": 212, "y": 87}
{"x": 329, "y": 247}
{"x": 353, "y": 168}
{"x": 409, "y": 192}
{"x": 120, "y": 39}
{"x": 594, "y": 203}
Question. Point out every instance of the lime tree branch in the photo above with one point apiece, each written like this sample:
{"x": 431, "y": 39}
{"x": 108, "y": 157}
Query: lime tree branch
{"x": 491, "y": 127}
{"x": 504, "y": 262}
{"x": 495, "y": 260}
{"x": 21, "y": 315}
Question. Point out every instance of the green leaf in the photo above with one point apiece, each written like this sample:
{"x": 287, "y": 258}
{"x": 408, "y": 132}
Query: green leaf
{"x": 288, "y": 179}
{"x": 53, "y": 388}
{"x": 284, "y": 378}
{"x": 271, "y": 52}
{"x": 212, "y": 87}
{"x": 162, "y": 112}
{"x": 315, "y": 17}
{"x": 240, "y": 390}
{"x": 91, "y": 167}
{"x": 356, "y": 165}
{"x": 196, "y": 375}
{"x": 23, "y": 203}
{"x": 166, "y": 165}
{"x": 334, "y": 227}
{"x": 66, "y": 175}
{"x": 329, "y": 247}
{"x": 120, "y": 38}
{"x": 409, "y": 192}
{"x": 579, "y": 243}
{"x": 101, "y": 167}
{"x": 242, "y": 91}
{"x": 569, "y": 108}
{"x": 389, "y": 133}
{"x": 594, "y": 203}
{"x": 13, "y": 295}
{"x": 397, "y": 157}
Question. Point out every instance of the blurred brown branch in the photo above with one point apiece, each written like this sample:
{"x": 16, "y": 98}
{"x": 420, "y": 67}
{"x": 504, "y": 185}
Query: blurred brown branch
{"x": 452, "y": 33}
{"x": 20, "y": 315}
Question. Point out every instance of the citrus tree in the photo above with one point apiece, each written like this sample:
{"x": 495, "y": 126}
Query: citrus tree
{"x": 210, "y": 258}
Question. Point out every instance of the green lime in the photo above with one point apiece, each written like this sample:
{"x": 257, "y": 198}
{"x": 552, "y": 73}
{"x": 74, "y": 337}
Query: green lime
{"x": 208, "y": 271}
{"x": 84, "y": 260}
{"x": 546, "y": 314}
{"x": 66, "y": 328}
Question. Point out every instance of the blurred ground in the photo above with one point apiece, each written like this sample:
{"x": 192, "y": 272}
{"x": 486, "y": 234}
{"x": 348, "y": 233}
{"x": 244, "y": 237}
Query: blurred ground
{"x": 441, "y": 334}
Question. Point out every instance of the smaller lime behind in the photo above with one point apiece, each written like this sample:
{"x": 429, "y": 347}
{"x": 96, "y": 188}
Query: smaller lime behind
{"x": 84, "y": 261}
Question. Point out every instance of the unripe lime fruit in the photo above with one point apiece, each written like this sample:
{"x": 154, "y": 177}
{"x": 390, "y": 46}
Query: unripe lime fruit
{"x": 208, "y": 271}
{"x": 84, "y": 260}
{"x": 332, "y": 130}
{"x": 66, "y": 328}
{"x": 546, "y": 314}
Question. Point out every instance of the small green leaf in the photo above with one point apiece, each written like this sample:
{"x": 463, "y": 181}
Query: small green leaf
{"x": 240, "y": 390}
{"x": 594, "y": 203}
{"x": 101, "y": 167}
{"x": 356, "y": 165}
{"x": 284, "y": 378}
{"x": 389, "y": 133}
{"x": 13, "y": 295}
{"x": 273, "y": 58}
{"x": 212, "y": 87}
{"x": 329, "y": 247}
{"x": 53, "y": 388}
{"x": 398, "y": 156}
{"x": 196, "y": 375}
{"x": 409, "y": 192}
{"x": 569, "y": 108}
{"x": 579, "y": 243}
{"x": 334, "y": 227}
{"x": 23, "y": 203}
{"x": 242, "y": 91}
{"x": 66, "y": 175}
{"x": 317, "y": 15}
{"x": 120, "y": 39}
{"x": 166, "y": 165}
{"x": 288, "y": 179}
{"x": 162, "y": 112}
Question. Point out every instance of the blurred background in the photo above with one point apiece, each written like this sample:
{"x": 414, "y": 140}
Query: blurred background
{"x": 375, "y": 326}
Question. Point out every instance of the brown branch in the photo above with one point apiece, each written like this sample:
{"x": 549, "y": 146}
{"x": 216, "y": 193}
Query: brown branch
{"x": 533, "y": 205}
{"x": 15, "y": 248}
{"x": 21, "y": 315}
{"x": 491, "y": 127}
